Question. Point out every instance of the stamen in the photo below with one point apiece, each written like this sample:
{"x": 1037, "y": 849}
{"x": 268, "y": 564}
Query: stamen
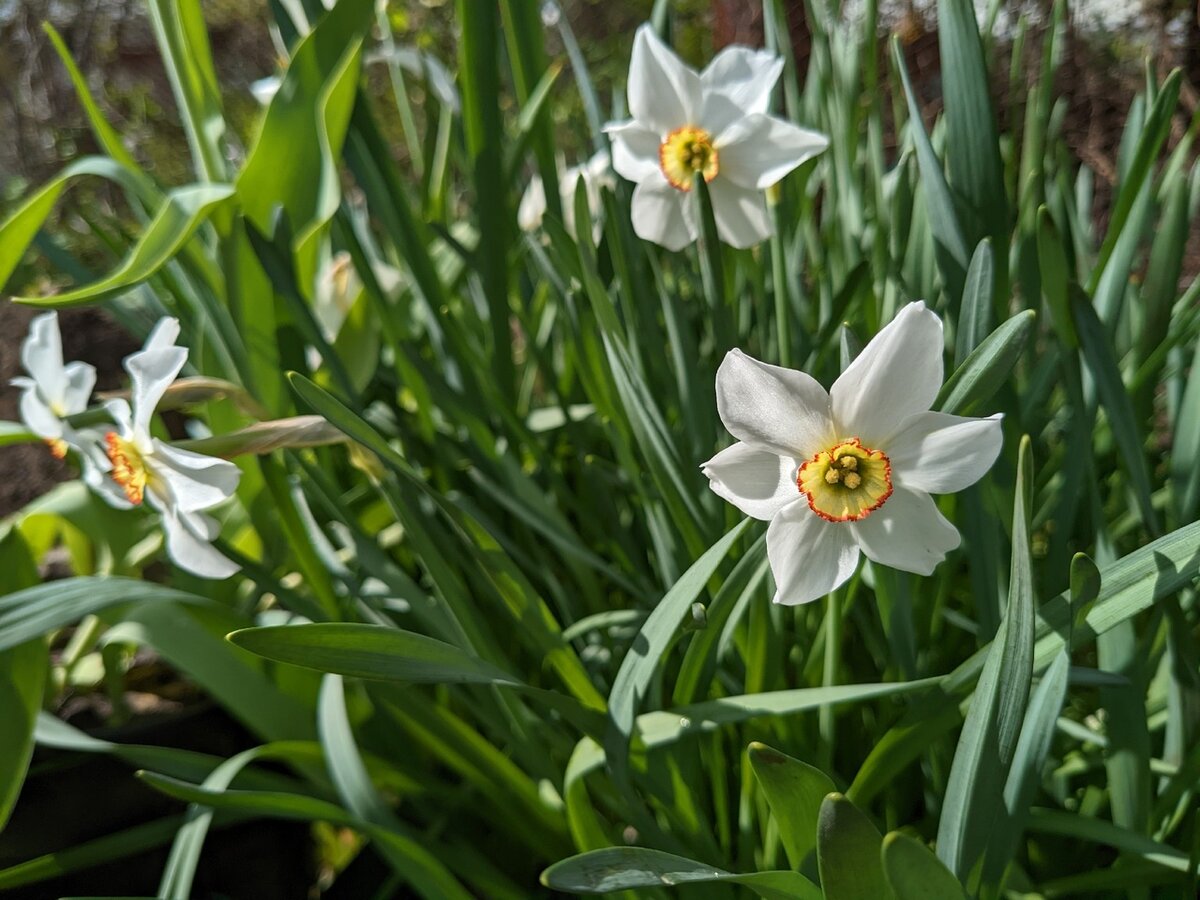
{"x": 846, "y": 483}
{"x": 684, "y": 152}
{"x": 58, "y": 447}
{"x": 128, "y": 468}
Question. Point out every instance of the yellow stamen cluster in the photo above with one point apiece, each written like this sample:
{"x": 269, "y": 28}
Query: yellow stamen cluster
{"x": 128, "y": 467}
{"x": 684, "y": 152}
{"x": 847, "y": 482}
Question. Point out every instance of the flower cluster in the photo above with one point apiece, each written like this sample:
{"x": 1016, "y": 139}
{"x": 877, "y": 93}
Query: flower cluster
{"x": 126, "y": 464}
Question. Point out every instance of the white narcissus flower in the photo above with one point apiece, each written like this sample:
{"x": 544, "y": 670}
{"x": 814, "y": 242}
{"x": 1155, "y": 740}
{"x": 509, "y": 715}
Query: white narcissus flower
{"x": 177, "y": 483}
{"x": 54, "y": 391}
{"x": 596, "y": 174}
{"x": 849, "y": 470}
{"x": 714, "y": 122}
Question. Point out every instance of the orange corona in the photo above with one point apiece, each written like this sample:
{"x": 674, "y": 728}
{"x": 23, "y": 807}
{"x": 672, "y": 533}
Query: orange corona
{"x": 684, "y": 152}
{"x": 128, "y": 468}
{"x": 846, "y": 483}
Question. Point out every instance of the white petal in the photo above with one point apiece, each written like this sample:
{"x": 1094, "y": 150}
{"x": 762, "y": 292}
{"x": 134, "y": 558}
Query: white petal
{"x": 41, "y": 355}
{"x": 940, "y": 454}
{"x": 187, "y": 541}
{"x": 151, "y": 373}
{"x": 809, "y": 556}
{"x": 118, "y": 410}
{"x": 758, "y": 482}
{"x": 634, "y": 150}
{"x": 599, "y": 167}
{"x": 897, "y": 375}
{"x": 566, "y": 197}
{"x": 80, "y": 379}
{"x": 741, "y": 214}
{"x": 664, "y": 93}
{"x": 772, "y": 408}
{"x": 40, "y": 419}
{"x": 758, "y": 150}
{"x": 164, "y": 334}
{"x": 907, "y": 533}
{"x": 662, "y": 214}
{"x": 738, "y": 81}
{"x": 533, "y": 205}
{"x": 192, "y": 481}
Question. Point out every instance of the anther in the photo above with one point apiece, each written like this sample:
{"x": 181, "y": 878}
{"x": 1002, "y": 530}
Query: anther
{"x": 852, "y": 480}
{"x": 832, "y": 476}
{"x": 849, "y": 462}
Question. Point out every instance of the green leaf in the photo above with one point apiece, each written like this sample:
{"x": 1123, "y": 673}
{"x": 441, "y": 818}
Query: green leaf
{"x": 652, "y": 642}
{"x": 628, "y": 868}
{"x": 189, "y": 637}
{"x": 424, "y": 871}
{"x": 1016, "y": 674}
{"x": 39, "y": 610}
{"x": 1037, "y": 735}
{"x": 21, "y": 227}
{"x": 849, "y": 853}
{"x": 1056, "y": 278}
{"x": 1102, "y": 361}
{"x": 23, "y": 668}
{"x": 950, "y": 243}
{"x": 795, "y": 792}
{"x": 183, "y": 42}
{"x": 479, "y": 72}
{"x": 107, "y": 849}
{"x": 1185, "y": 450}
{"x": 182, "y": 212}
{"x": 1127, "y": 754}
{"x": 987, "y": 367}
{"x": 294, "y": 160}
{"x": 975, "y": 313}
{"x": 16, "y": 433}
{"x": 914, "y": 873}
{"x": 972, "y": 146}
{"x": 370, "y": 651}
{"x": 1150, "y": 141}
{"x": 1086, "y": 828}
{"x": 985, "y": 746}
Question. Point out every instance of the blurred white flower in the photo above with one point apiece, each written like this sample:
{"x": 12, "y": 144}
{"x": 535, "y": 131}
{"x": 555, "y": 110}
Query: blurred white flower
{"x": 715, "y": 123}
{"x": 265, "y": 89}
{"x": 178, "y": 484}
{"x": 596, "y": 174}
{"x": 849, "y": 470}
{"x": 54, "y": 391}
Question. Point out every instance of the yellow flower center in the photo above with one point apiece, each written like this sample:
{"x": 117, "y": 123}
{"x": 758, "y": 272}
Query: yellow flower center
{"x": 846, "y": 483}
{"x": 687, "y": 150}
{"x": 128, "y": 467}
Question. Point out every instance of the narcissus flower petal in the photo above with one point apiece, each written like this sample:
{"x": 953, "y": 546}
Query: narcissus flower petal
{"x": 809, "y": 557}
{"x": 897, "y": 375}
{"x": 772, "y": 408}
{"x": 942, "y": 454}
{"x": 758, "y": 482}
{"x": 758, "y": 150}
{"x": 907, "y": 533}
